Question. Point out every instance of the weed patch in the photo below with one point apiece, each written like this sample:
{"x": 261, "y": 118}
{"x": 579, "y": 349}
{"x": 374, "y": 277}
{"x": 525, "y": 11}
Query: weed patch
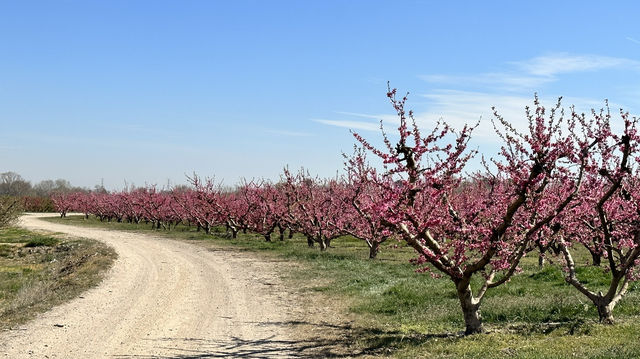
{"x": 40, "y": 271}
{"x": 42, "y": 242}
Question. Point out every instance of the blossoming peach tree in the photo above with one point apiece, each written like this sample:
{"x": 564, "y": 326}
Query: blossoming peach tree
{"x": 606, "y": 219}
{"x": 473, "y": 225}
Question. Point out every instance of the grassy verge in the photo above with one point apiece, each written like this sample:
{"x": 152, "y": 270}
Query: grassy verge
{"x": 39, "y": 271}
{"x": 407, "y": 315}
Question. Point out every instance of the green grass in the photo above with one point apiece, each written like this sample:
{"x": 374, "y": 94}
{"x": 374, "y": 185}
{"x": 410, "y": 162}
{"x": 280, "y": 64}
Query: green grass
{"x": 40, "y": 271}
{"x": 409, "y": 315}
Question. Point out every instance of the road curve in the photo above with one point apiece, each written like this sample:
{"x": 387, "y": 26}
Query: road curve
{"x": 162, "y": 299}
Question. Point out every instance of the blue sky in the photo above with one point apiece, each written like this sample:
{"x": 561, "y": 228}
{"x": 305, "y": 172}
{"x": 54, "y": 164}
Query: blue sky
{"x": 146, "y": 91}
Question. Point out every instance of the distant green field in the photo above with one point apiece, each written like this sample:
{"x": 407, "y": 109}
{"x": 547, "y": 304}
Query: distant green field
{"x": 408, "y": 315}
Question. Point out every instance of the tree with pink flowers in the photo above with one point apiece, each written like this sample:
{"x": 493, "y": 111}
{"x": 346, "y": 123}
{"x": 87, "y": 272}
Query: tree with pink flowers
{"x": 203, "y": 203}
{"x": 268, "y": 208}
{"x": 361, "y": 195}
{"x": 63, "y": 202}
{"x": 473, "y": 225}
{"x": 606, "y": 218}
{"x": 315, "y": 208}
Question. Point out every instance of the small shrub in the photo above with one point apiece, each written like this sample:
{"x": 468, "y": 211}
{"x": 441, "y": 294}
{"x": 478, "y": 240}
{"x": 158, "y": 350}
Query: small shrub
{"x": 9, "y": 211}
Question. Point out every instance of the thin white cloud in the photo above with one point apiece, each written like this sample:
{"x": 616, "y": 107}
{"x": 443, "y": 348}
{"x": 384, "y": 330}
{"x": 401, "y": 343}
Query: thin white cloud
{"x": 632, "y": 39}
{"x": 502, "y": 81}
{"x": 353, "y": 125}
{"x": 290, "y": 133}
{"x": 554, "y": 64}
{"x": 467, "y": 99}
{"x": 459, "y": 108}
{"x": 532, "y": 73}
{"x": 373, "y": 125}
{"x": 378, "y": 118}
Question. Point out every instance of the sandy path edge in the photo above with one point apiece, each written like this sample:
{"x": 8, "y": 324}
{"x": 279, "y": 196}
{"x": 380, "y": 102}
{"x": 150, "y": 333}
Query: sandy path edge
{"x": 162, "y": 299}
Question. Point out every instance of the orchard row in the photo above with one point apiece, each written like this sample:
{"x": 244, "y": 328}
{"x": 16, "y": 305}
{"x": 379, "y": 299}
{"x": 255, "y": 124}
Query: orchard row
{"x": 561, "y": 183}
{"x": 320, "y": 209}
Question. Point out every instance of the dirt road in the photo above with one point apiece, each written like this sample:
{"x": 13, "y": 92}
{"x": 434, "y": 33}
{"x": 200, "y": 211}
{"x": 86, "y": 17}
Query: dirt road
{"x": 162, "y": 299}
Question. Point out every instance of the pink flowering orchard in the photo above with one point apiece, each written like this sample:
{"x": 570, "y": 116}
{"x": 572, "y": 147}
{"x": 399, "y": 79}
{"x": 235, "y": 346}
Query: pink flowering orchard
{"x": 561, "y": 183}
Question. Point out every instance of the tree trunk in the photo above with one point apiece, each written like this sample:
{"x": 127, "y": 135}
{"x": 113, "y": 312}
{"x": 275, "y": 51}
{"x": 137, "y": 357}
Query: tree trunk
{"x": 267, "y": 237}
{"x": 605, "y": 311}
{"x": 281, "y": 230}
{"x": 373, "y": 249}
{"x": 595, "y": 259}
{"x": 290, "y": 233}
{"x": 470, "y": 310}
{"x": 540, "y": 260}
{"x": 310, "y": 241}
{"x": 234, "y": 233}
{"x": 323, "y": 244}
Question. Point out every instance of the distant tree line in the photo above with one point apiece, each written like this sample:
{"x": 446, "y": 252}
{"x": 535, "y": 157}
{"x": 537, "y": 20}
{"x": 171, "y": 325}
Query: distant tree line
{"x": 18, "y": 194}
{"x": 12, "y": 184}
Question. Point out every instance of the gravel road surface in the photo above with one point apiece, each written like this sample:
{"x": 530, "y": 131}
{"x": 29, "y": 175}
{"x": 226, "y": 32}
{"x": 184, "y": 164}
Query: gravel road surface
{"x": 162, "y": 299}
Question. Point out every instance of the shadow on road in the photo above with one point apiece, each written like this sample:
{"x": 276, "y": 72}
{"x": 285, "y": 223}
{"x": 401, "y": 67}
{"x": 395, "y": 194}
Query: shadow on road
{"x": 341, "y": 341}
